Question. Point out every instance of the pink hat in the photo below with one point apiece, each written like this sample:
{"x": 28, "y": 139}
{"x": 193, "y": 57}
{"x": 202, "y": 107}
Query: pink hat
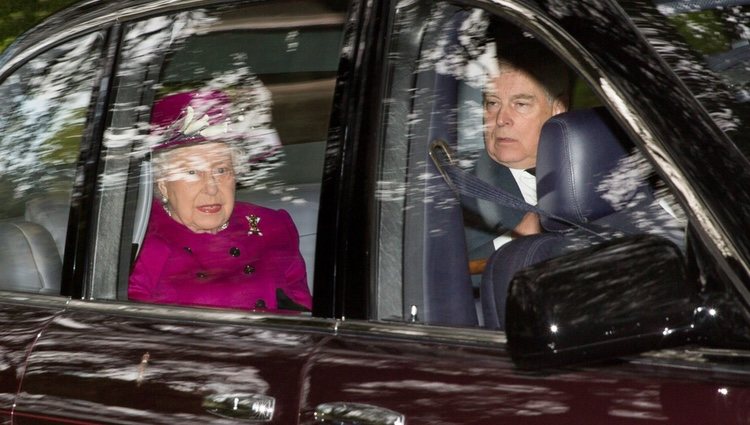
{"x": 209, "y": 115}
{"x": 192, "y": 117}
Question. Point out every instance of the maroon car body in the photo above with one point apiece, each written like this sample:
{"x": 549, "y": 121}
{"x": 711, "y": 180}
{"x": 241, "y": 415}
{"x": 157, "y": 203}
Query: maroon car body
{"x": 358, "y": 91}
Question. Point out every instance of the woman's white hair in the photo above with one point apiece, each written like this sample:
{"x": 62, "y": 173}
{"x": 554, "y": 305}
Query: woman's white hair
{"x": 252, "y": 135}
{"x": 160, "y": 161}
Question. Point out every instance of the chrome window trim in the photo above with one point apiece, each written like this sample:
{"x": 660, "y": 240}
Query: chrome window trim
{"x": 34, "y": 300}
{"x": 421, "y": 332}
{"x": 698, "y": 359}
{"x": 336, "y": 327}
{"x": 412, "y": 332}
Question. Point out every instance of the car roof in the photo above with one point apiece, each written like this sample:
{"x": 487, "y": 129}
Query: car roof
{"x": 80, "y": 17}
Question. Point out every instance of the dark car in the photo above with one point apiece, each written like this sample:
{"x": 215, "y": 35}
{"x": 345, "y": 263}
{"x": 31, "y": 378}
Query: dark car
{"x": 633, "y": 305}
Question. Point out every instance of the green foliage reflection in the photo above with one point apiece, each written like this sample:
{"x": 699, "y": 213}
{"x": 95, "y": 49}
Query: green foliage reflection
{"x": 17, "y": 16}
{"x": 705, "y": 31}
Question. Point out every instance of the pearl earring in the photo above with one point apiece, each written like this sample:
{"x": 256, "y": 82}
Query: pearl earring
{"x": 165, "y": 205}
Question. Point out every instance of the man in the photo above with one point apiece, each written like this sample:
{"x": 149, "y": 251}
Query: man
{"x": 530, "y": 86}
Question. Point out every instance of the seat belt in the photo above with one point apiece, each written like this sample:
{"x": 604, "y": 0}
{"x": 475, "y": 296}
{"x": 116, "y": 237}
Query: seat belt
{"x": 467, "y": 184}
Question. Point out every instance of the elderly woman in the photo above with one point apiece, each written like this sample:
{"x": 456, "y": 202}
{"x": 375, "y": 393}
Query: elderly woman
{"x": 202, "y": 247}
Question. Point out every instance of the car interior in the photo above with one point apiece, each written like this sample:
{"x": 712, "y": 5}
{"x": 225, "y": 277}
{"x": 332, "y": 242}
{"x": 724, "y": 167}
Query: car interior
{"x": 583, "y": 155}
{"x": 591, "y": 181}
{"x": 33, "y": 244}
{"x": 578, "y": 150}
{"x": 300, "y": 82}
{"x": 40, "y": 141}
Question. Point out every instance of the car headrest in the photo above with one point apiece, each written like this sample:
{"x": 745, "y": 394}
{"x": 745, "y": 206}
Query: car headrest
{"x": 576, "y": 151}
{"x": 51, "y": 211}
{"x": 29, "y": 258}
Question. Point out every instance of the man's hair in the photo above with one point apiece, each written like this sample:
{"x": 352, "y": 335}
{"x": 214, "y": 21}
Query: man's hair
{"x": 519, "y": 51}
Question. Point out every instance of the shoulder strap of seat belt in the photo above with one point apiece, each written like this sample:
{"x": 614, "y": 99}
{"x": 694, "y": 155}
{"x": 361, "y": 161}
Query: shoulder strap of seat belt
{"x": 467, "y": 184}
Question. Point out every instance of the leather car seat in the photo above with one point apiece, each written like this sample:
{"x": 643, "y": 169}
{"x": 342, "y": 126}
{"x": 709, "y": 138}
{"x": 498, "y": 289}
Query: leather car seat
{"x": 29, "y": 258}
{"x": 51, "y": 211}
{"x": 440, "y": 285}
{"x": 577, "y": 151}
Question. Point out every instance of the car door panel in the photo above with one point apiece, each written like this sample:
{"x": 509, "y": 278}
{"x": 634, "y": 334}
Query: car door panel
{"x": 430, "y": 383}
{"x": 119, "y": 369}
{"x": 20, "y": 324}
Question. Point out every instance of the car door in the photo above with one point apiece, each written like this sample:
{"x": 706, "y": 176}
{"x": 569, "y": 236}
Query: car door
{"x": 94, "y": 367}
{"x": 42, "y": 132}
{"x": 98, "y": 357}
{"x": 405, "y": 376}
{"x": 21, "y": 327}
{"x": 423, "y": 83}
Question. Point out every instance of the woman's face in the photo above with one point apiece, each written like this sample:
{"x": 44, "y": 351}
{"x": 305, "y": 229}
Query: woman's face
{"x": 199, "y": 185}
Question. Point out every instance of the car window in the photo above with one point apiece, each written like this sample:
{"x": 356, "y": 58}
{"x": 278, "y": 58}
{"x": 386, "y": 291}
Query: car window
{"x": 41, "y": 128}
{"x": 465, "y": 199}
{"x": 260, "y": 80}
{"x": 707, "y": 44}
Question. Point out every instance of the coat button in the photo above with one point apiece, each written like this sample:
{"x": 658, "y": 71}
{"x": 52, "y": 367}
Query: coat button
{"x": 188, "y": 250}
{"x": 201, "y": 275}
{"x": 234, "y": 251}
{"x": 260, "y": 304}
{"x": 249, "y": 269}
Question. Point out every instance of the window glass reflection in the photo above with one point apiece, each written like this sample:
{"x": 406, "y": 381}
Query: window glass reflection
{"x": 274, "y": 66}
{"x": 497, "y": 157}
{"x": 707, "y": 44}
{"x": 41, "y": 126}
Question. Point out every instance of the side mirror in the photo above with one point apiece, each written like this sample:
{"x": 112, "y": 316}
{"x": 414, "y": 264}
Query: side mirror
{"x": 622, "y": 297}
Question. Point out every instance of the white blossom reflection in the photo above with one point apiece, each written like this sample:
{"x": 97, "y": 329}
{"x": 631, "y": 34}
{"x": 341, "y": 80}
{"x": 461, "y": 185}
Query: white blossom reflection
{"x": 42, "y": 120}
{"x": 149, "y": 43}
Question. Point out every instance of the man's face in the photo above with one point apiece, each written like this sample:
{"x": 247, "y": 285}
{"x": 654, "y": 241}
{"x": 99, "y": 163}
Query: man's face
{"x": 199, "y": 186}
{"x": 515, "y": 107}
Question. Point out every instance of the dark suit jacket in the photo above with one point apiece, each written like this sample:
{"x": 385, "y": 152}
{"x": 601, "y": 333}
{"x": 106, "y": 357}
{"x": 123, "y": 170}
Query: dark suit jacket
{"x": 486, "y": 220}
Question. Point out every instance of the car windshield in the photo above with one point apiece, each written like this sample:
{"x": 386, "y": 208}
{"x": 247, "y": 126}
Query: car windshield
{"x": 707, "y": 44}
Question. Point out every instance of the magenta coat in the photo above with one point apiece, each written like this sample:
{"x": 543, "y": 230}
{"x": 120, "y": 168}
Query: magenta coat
{"x": 246, "y": 266}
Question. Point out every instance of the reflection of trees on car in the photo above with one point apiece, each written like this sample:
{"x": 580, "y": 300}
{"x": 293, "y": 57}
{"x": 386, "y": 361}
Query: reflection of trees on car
{"x": 40, "y": 132}
{"x": 16, "y": 16}
{"x": 708, "y": 52}
{"x": 358, "y": 91}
